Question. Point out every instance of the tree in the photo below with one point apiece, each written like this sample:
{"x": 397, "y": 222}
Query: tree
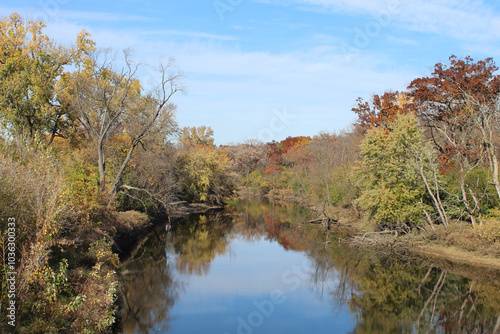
{"x": 382, "y": 111}
{"x": 204, "y": 174}
{"x": 458, "y": 104}
{"x": 425, "y": 164}
{"x": 107, "y": 101}
{"x": 31, "y": 66}
{"x": 248, "y": 157}
{"x": 332, "y": 157}
{"x": 192, "y": 136}
{"x": 391, "y": 190}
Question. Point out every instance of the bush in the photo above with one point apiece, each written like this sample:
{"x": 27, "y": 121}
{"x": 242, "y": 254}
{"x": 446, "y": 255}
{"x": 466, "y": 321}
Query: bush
{"x": 83, "y": 188}
{"x": 94, "y": 310}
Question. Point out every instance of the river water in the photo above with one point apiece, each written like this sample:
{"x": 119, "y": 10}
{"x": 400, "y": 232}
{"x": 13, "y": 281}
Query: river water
{"x": 256, "y": 268}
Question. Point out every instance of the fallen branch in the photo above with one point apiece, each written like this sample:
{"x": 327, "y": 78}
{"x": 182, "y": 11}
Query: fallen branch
{"x": 165, "y": 204}
{"x": 377, "y": 233}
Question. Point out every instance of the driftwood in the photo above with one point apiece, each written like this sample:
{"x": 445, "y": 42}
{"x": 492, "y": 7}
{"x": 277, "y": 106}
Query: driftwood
{"x": 377, "y": 233}
{"x": 326, "y": 222}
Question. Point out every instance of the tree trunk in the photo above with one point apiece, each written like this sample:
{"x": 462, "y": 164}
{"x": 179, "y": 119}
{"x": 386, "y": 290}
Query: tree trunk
{"x": 492, "y": 157}
{"x": 118, "y": 178}
{"x": 468, "y": 208}
{"x": 102, "y": 164}
{"x": 495, "y": 173}
{"x": 437, "y": 201}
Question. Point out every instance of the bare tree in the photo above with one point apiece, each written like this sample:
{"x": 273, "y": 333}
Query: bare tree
{"x": 108, "y": 101}
{"x": 152, "y": 114}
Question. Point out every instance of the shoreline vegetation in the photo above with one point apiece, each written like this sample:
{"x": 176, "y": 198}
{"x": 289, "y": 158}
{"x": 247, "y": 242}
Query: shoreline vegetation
{"x": 438, "y": 245}
{"x": 90, "y": 160}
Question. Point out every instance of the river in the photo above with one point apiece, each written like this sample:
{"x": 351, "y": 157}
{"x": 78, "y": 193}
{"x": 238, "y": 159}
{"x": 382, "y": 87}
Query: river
{"x": 255, "y": 267}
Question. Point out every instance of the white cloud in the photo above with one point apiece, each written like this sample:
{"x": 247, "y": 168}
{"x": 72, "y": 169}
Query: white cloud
{"x": 469, "y": 20}
{"x": 237, "y": 92}
{"x": 402, "y": 41}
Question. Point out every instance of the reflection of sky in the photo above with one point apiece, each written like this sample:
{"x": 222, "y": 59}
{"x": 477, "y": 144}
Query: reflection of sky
{"x": 247, "y": 275}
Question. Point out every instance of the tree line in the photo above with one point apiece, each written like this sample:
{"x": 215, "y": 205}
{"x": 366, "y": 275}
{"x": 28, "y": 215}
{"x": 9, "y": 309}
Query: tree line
{"x": 425, "y": 156}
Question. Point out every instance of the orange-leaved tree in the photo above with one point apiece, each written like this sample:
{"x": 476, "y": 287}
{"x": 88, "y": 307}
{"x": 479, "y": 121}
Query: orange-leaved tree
{"x": 383, "y": 109}
{"x": 458, "y": 103}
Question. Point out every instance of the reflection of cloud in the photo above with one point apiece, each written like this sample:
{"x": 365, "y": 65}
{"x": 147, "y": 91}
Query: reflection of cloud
{"x": 254, "y": 269}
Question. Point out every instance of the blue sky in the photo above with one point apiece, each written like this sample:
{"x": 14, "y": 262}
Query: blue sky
{"x": 268, "y": 69}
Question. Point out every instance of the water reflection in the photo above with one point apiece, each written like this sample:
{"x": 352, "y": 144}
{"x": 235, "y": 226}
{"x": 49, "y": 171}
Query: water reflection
{"x": 217, "y": 273}
{"x": 197, "y": 242}
{"x": 149, "y": 288}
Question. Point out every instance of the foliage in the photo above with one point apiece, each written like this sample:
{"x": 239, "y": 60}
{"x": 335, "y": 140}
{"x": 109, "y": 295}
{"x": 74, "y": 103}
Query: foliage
{"x": 30, "y": 67}
{"x": 458, "y": 104}
{"x": 390, "y": 187}
{"x": 83, "y": 189}
{"x": 193, "y": 136}
{"x": 490, "y": 229}
{"x": 383, "y": 110}
{"x": 204, "y": 174}
{"x": 96, "y": 312}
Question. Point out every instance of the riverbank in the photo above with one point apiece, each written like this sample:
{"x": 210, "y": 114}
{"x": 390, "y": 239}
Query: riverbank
{"x": 133, "y": 226}
{"x": 460, "y": 244}
{"x": 267, "y": 244}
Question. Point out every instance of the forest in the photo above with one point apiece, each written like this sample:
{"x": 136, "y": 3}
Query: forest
{"x": 89, "y": 155}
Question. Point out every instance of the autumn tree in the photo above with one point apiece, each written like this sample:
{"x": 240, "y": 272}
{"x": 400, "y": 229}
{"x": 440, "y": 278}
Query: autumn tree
{"x": 391, "y": 189}
{"x": 204, "y": 174}
{"x": 382, "y": 110}
{"x": 295, "y": 151}
{"x": 31, "y": 66}
{"x": 109, "y": 101}
{"x": 149, "y": 182}
{"x": 192, "y": 136}
{"x": 247, "y": 157}
{"x": 331, "y": 159}
{"x": 458, "y": 104}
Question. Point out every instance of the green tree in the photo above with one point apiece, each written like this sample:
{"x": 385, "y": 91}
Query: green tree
{"x": 391, "y": 189}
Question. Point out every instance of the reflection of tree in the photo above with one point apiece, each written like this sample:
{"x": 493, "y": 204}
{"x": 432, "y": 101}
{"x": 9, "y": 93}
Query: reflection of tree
{"x": 149, "y": 289}
{"x": 199, "y": 242}
{"x": 386, "y": 294}
{"x": 394, "y": 297}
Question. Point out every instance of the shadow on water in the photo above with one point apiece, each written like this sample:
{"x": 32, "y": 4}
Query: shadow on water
{"x": 382, "y": 293}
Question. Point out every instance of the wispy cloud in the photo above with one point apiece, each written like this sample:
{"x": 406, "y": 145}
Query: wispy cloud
{"x": 54, "y": 12}
{"x": 314, "y": 83}
{"x": 401, "y": 41}
{"x": 469, "y": 20}
{"x": 190, "y": 34}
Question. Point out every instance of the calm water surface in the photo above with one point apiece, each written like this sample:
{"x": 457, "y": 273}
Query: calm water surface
{"x": 254, "y": 268}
